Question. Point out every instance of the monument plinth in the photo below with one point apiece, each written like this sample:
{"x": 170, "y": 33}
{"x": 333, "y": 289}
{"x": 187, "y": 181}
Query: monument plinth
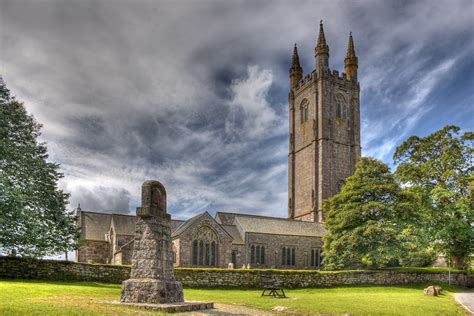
{"x": 152, "y": 278}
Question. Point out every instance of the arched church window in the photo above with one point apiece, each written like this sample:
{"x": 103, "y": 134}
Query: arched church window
{"x": 207, "y": 255}
{"x": 195, "y": 252}
{"x": 283, "y": 256}
{"x": 234, "y": 258}
{"x": 316, "y": 257}
{"x": 341, "y": 105}
{"x": 304, "y": 110}
{"x": 257, "y": 254}
{"x": 201, "y": 252}
{"x": 288, "y": 256}
{"x": 205, "y": 247}
{"x": 213, "y": 254}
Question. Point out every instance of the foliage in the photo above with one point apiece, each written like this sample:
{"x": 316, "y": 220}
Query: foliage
{"x": 85, "y": 298}
{"x": 367, "y": 221}
{"x": 439, "y": 168}
{"x": 416, "y": 248}
{"x": 33, "y": 216}
{"x": 418, "y": 257}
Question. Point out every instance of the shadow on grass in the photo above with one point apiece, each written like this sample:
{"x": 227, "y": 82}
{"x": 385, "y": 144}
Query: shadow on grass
{"x": 54, "y": 282}
{"x": 416, "y": 286}
{"x": 419, "y": 286}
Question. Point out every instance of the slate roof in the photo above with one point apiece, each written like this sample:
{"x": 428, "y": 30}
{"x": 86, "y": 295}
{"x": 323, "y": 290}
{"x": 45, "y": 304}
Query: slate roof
{"x": 181, "y": 228}
{"x": 276, "y": 225}
{"x": 225, "y": 218}
{"x": 96, "y": 225}
{"x": 234, "y": 232}
{"x": 124, "y": 224}
{"x": 175, "y": 223}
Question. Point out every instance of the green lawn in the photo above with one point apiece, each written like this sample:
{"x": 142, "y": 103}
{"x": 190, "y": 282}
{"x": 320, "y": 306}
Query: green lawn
{"x": 81, "y": 298}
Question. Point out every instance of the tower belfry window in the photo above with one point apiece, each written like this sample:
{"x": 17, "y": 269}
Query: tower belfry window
{"x": 304, "y": 110}
{"x": 341, "y": 106}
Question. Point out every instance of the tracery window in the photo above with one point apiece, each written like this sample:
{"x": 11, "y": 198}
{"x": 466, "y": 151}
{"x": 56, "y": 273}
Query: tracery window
{"x": 304, "y": 110}
{"x": 205, "y": 247}
{"x": 341, "y": 106}
{"x": 195, "y": 252}
{"x": 288, "y": 256}
{"x": 316, "y": 257}
{"x": 257, "y": 254}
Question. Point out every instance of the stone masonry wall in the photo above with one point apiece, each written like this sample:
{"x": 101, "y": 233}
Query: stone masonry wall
{"x": 27, "y": 268}
{"x": 273, "y": 250}
{"x": 304, "y": 149}
{"x": 195, "y": 232}
{"x": 94, "y": 252}
{"x": 21, "y": 268}
{"x": 302, "y": 279}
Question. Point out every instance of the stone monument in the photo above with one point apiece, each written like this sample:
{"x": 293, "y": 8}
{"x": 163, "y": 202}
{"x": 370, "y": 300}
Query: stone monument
{"x": 152, "y": 278}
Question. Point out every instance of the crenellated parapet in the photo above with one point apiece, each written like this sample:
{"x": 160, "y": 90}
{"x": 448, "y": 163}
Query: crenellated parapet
{"x": 306, "y": 81}
{"x": 349, "y": 76}
{"x": 335, "y": 76}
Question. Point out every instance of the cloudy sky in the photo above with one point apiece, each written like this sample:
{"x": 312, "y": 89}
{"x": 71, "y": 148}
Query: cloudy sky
{"x": 194, "y": 93}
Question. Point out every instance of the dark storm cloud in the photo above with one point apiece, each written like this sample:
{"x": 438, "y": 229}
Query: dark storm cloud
{"x": 194, "y": 93}
{"x": 102, "y": 198}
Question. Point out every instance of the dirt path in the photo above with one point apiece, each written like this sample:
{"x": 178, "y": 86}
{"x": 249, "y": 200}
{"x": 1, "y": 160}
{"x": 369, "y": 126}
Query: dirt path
{"x": 229, "y": 310}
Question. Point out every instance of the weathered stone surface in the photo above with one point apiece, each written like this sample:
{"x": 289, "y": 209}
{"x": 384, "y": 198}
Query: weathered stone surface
{"x": 28, "y": 268}
{"x": 432, "y": 290}
{"x": 206, "y": 229}
{"x": 152, "y": 278}
{"x": 174, "y": 307}
{"x": 152, "y": 291}
{"x": 93, "y": 251}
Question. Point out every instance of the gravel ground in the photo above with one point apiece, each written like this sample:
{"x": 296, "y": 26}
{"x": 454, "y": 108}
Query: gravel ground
{"x": 229, "y": 310}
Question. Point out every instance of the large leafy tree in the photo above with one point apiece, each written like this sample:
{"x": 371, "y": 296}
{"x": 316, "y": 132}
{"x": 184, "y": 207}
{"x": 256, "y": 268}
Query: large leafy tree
{"x": 367, "y": 221}
{"x": 438, "y": 169}
{"x": 34, "y": 220}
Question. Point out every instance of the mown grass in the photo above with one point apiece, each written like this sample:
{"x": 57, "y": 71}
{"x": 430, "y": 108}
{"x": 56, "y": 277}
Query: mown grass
{"x": 20, "y": 297}
{"x": 353, "y": 300}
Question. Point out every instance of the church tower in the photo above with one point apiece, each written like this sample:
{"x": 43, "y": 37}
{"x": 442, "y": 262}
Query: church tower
{"x": 324, "y": 130}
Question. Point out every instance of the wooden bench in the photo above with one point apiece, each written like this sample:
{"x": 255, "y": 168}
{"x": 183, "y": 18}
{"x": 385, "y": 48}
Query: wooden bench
{"x": 270, "y": 287}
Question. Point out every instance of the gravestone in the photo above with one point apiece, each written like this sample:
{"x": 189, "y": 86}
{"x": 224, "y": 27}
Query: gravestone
{"x": 152, "y": 278}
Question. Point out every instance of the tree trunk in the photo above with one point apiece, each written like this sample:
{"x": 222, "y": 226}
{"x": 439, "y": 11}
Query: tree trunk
{"x": 457, "y": 262}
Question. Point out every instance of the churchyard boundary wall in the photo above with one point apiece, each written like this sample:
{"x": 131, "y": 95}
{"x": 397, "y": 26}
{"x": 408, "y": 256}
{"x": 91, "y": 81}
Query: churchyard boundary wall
{"x": 27, "y": 268}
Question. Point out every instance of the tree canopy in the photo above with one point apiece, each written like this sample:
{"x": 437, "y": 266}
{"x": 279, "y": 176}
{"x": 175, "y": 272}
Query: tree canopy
{"x": 367, "y": 221}
{"x": 439, "y": 169}
{"x": 34, "y": 220}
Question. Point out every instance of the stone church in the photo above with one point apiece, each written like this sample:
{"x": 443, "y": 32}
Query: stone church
{"x": 324, "y": 146}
